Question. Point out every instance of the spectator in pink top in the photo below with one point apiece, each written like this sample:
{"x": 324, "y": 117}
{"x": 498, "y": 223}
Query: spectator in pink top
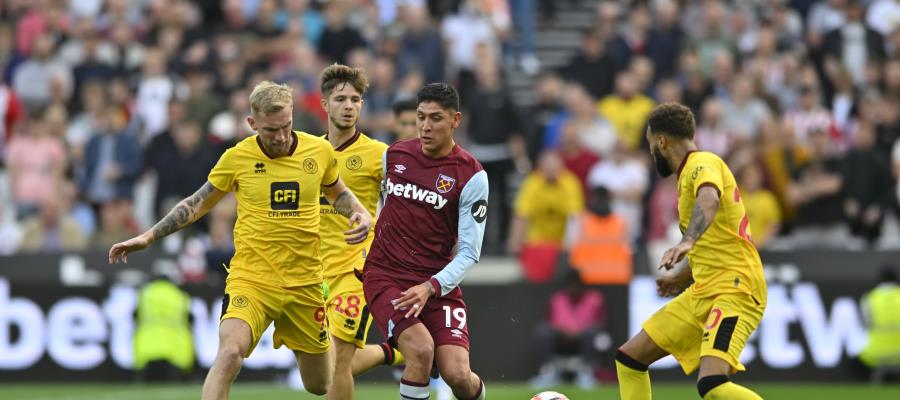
{"x": 36, "y": 159}
{"x": 566, "y": 339}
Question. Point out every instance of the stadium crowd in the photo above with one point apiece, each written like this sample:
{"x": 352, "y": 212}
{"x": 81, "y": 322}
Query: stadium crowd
{"x": 112, "y": 110}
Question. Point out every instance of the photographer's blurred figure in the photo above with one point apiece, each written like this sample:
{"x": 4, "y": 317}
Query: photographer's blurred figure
{"x": 163, "y": 345}
{"x": 879, "y": 308}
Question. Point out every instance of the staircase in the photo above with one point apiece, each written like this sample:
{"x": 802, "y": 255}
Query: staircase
{"x": 556, "y": 43}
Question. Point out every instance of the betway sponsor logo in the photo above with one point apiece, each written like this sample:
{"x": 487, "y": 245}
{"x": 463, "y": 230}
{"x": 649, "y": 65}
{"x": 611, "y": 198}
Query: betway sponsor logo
{"x": 411, "y": 191}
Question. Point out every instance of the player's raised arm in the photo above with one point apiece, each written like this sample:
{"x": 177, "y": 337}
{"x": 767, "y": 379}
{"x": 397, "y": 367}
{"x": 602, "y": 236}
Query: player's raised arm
{"x": 703, "y": 214}
{"x": 346, "y": 204}
{"x": 183, "y": 214}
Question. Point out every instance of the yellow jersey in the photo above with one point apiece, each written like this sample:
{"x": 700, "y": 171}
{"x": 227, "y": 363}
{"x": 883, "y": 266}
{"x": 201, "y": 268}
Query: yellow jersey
{"x": 359, "y": 162}
{"x": 724, "y": 259}
{"x": 548, "y": 205}
{"x": 276, "y": 237}
{"x": 629, "y": 117}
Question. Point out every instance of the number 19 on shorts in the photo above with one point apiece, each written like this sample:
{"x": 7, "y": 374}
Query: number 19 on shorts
{"x": 459, "y": 314}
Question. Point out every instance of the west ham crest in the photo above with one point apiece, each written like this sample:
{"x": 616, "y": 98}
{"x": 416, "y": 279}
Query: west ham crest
{"x": 444, "y": 183}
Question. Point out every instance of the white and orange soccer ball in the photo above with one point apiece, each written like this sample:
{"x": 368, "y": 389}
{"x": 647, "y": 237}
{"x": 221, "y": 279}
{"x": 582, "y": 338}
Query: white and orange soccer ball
{"x": 549, "y": 396}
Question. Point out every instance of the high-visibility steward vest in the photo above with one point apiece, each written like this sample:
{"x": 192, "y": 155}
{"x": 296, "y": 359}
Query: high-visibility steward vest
{"x": 163, "y": 330}
{"x": 601, "y": 252}
{"x": 884, "y": 335}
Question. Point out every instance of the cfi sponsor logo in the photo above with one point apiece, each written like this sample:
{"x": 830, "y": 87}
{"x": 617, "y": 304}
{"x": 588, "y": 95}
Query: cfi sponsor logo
{"x": 414, "y": 192}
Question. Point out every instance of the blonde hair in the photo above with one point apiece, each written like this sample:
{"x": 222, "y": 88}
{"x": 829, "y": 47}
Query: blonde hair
{"x": 269, "y": 98}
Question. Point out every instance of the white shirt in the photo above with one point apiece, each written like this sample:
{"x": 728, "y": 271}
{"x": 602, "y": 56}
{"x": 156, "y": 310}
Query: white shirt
{"x": 626, "y": 175}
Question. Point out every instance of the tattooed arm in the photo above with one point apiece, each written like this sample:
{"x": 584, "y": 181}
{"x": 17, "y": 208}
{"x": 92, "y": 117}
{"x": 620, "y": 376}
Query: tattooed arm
{"x": 705, "y": 207}
{"x": 183, "y": 214}
{"x": 346, "y": 204}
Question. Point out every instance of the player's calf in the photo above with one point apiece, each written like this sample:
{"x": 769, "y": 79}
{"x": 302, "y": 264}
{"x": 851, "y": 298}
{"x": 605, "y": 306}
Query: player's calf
{"x": 464, "y": 383}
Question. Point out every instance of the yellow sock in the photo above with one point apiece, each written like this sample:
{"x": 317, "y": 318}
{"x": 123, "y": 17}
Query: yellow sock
{"x": 634, "y": 380}
{"x": 398, "y": 358}
{"x": 731, "y": 390}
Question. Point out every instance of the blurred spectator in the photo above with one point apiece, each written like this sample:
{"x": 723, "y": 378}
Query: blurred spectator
{"x": 824, "y": 16}
{"x": 220, "y": 244}
{"x": 883, "y": 16}
{"x": 181, "y": 158}
{"x": 522, "y": 12}
{"x": 11, "y": 113}
{"x": 631, "y": 40}
{"x": 627, "y": 110}
{"x": 420, "y": 46}
{"x": 495, "y": 139}
{"x": 853, "y": 44}
{"x": 549, "y": 90}
{"x": 154, "y": 92}
{"x": 53, "y": 229}
{"x": 815, "y": 191}
{"x": 712, "y": 36}
{"x": 116, "y": 224}
{"x": 665, "y": 39}
{"x": 163, "y": 344}
{"x": 550, "y": 196}
{"x": 404, "y": 112}
{"x": 10, "y": 232}
{"x": 34, "y": 79}
{"x": 845, "y": 102}
{"x": 36, "y": 159}
{"x": 744, "y": 112}
{"x": 301, "y": 13}
{"x": 592, "y": 67}
{"x": 866, "y": 180}
{"x": 760, "y": 205}
{"x": 376, "y": 117}
{"x": 594, "y": 132}
{"x": 809, "y": 117}
{"x": 667, "y": 90}
{"x": 338, "y": 39}
{"x": 879, "y": 309}
{"x": 575, "y": 316}
{"x": 202, "y": 103}
{"x": 128, "y": 53}
{"x": 576, "y": 158}
{"x": 712, "y": 134}
{"x": 625, "y": 176}
{"x": 462, "y": 34}
{"x": 599, "y": 245}
{"x": 112, "y": 160}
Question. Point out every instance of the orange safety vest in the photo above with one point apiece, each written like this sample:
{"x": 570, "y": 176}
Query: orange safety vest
{"x": 601, "y": 252}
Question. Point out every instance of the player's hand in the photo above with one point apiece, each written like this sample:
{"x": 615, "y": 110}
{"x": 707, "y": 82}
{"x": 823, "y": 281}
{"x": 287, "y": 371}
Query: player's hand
{"x": 414, "y": 299}
{"x": 360, "y": 224}
{"x": 674, "y": 255}
{"x": 119, "y": 251}
{"x": 669, "y": 283}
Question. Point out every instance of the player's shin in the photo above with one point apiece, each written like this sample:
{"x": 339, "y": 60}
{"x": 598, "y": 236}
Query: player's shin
{"x": 634, "y": 379}
{"x": 719, "y": 387}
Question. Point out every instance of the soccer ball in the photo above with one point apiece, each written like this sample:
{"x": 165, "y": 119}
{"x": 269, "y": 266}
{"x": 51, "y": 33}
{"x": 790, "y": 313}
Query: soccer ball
{"x": 549, "y": 396}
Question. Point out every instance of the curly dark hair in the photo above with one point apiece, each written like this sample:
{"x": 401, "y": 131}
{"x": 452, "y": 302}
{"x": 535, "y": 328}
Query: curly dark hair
{"x": 440, "y": 93}
{"x": 672, "y": 119}
{"x": 337, "y": 74}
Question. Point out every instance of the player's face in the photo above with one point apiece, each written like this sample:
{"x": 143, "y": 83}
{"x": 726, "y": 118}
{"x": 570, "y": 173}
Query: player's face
{"x": 274, "y": 131}
{"x": 657, "y": 147}
{"x": 343, "y": 105}
{"x": 435, "y": 125}
{"x": 405, "y": 125}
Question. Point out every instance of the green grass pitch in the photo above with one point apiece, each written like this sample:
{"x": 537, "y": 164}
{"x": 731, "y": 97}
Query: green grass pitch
{"x": 496, "y": 391}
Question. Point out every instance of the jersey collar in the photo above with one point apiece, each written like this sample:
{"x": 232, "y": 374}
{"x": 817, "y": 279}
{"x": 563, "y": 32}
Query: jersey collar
{"x": 347, "y": 143}
{"x": 290, "y": 152}
{"x": 683, "y": 162}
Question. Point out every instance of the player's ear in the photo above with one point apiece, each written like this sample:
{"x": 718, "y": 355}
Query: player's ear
{"x": 324, "y": 103}
{"x": 251, "y": 122}
{"x": 457, "y": 118}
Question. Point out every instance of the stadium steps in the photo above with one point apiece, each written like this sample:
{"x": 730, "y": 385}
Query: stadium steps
{"x": 555, "y": 44}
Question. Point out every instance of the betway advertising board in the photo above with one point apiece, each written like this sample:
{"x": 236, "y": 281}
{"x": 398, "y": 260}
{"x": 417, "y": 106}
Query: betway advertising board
{"x": 810, "y": 329}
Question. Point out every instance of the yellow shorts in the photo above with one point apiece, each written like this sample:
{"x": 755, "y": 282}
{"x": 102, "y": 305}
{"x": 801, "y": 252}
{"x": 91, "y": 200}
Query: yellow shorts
{"x": 298, "y": 312}
{"x": 348, "y": 315}
{"x": 690, "y": 328}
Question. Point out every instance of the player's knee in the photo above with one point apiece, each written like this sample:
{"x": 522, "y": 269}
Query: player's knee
{"x": 420, "y": 353}
{"x": 317, "y": 389}
{"x": 458, "y": 378}
{"x": 230, "y": 355}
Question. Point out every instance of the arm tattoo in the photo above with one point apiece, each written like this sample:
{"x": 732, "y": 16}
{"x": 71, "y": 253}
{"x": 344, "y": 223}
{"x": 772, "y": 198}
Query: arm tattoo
{"x": 184, "y": 213}
{"x": 343, "y": 204}
{"x": 699, "y": 220}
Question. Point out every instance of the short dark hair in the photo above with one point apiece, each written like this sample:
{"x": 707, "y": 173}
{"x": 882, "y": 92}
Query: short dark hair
{"x": 672, "y": 119}
{"x": 440, "y": 93}
{"x": 337, "y": 74}
{"x": 403, "y": 105}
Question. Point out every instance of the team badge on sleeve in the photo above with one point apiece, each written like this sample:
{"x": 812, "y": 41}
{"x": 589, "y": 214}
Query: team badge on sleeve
{"x": 444, "y": 183}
